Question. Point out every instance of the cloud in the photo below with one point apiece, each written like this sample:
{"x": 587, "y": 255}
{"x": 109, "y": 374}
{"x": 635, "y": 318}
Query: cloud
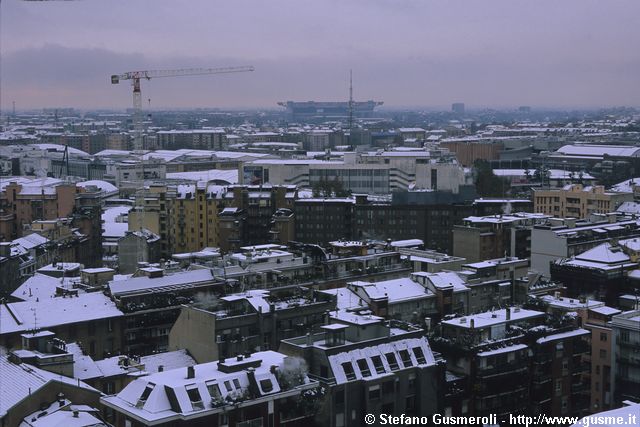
{"x": 403, "y": 52}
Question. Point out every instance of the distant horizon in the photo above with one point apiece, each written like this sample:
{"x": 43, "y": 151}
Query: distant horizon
{"x": 384, "y": 108}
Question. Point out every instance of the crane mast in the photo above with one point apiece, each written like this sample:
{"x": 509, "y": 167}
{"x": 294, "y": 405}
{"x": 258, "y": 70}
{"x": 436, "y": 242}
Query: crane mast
{"x": 137, "y": 76}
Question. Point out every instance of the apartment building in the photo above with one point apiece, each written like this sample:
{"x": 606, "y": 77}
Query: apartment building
{"x": 577, "y": 201}
{"x": 625, "y": 363}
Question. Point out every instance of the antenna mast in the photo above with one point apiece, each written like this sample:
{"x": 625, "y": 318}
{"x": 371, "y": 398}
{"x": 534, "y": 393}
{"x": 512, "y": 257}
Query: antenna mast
{"x": 350, "y": 102}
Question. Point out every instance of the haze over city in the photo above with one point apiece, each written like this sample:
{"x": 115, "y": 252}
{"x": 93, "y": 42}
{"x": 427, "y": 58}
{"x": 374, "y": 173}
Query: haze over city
{"x": 569, "y": 54}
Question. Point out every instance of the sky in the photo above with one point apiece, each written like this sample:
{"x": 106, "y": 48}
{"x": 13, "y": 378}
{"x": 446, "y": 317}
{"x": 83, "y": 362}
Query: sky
{"x": 406, "y": 53}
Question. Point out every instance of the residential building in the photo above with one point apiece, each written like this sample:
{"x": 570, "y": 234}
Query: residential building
{"x": 625, "y": 364}
{"x": 495, "y": 236}
{"x": 256, "y": 319}
{"x": 368, "y": 367}
{"x": 249, "y": 390}
{"x": 560, "y": 238}
{"x": 577, "y": 201}
{"x": 137, "y": 247}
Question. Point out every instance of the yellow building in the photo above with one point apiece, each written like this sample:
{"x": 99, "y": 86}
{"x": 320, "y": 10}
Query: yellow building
{"x": 576, "y": 201}
{"x": 190, "y": 217}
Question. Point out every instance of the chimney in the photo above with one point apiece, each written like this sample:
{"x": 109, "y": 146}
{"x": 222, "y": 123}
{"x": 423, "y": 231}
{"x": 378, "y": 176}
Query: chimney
{"x": 160, "y": 368}
{"x": 191, "y": 372}
{"x": 472, "y": 323}
{"x": 508, "y": 312}
{"x": 76, "y": 414}
{"x": 309, "y": 339}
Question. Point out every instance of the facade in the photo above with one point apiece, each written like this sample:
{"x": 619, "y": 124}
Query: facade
{"x": 560, "y": 238}
{"x": 488, "y": 237}
{"x": 368, "y": 370}
{"x": 314, "y": 110}
{"x": 576, "y": 201}
{"x": 256, "y": 319}
{"x": 625, "y": 365}
{"x": 137, "y": 247}
{"x": 247, "y": 390}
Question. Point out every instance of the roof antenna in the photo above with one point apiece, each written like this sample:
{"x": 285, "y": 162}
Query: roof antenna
{"x": 350, "y": 103}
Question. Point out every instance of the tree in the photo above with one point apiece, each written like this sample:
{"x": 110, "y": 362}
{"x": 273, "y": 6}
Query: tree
{"x": 487, "y": 184}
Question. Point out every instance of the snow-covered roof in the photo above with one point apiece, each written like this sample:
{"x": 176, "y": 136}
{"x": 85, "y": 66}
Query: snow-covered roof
{"x": 51, "y": 312}
{"x": 606, "y": 310}
{"x": 175, "y": 280}
{"x": 104, "y": 186}
{"x": 168, "y": 360}
{"x": 373, "y": 362}
{"x": 346, "y": 298}
{"x": 84, "y": 367}
{"x": 20, "y": 381}
{"x": 230, "y": 176}
{"x": 208, "y": 377}
{"x": 41, "y": 286}
{"x": 490, "y": 318}
{"x": 599, "y": 150}
{"x": 59, "y": 148}
{"x": 570, "y": 303}
{"x": 507, "y": 349}
{"x": 604, "y": 253}
{"x": 613, "y": 417}
{"x": 395, "y": 290}
{"x": 574, "y": 333}
{"x": 628, "y": 207}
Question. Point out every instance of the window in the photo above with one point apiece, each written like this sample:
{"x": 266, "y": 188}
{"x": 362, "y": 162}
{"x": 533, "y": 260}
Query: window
{"x": 348, "y": 371}
{"x": 364, "y": 368}
{"x": 598, "y": 369}
{"x": 603, "y": 336}
{"x": 603, "y": 353}
{"x": 558, "y": 387}
{"x": 377, "y": 363}
{"x": 411, "y": 403}
{"x": 419, "y": 354}
{"x": 214, "y": 390}
{"x": 374, "y": 392}
{"x": 392, "y": 361}
{"x": 406, "y": 358}
{"x": 388, "y": 387}
{"x": 236, "y": 383}
{"x": 338, "y": 397}
{"x": 145, "y": 395}
{"x": 266, "y": 385}
{"x": 223, "y": 419}
{"x": 194, "y": 397}
{"x": 227, "y": 385}
{"x": 412, "y": 382}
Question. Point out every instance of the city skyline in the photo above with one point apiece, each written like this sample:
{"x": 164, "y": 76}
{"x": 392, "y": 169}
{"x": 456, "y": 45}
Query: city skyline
{"x": 576, "y": 54}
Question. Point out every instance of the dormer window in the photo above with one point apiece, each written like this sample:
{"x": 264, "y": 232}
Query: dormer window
{"x": 348, "y": 371}
{"x": 417, "y": 351}
{"x": 145, "y": 395}
{"x": 364, "y": 368}
{"x": 194, "y": 397}
{"x": 392, "y": 361}
{"x": 266, "y": 385}
{"x": 406, "y": 358}
{"x": 377, "y": 363}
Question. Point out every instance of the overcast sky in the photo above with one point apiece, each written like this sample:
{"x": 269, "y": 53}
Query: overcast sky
{"x": 495, "y": 53}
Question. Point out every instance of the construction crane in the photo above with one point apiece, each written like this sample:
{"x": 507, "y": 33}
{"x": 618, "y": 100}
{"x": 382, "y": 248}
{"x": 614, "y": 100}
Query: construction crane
{"x": 136, "y": 76}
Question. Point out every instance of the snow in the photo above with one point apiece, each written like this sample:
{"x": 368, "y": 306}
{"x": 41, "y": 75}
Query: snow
{"x": 168, "y": 360}
{"x": 606, "y": 310}
{"x": 406, "y": 243}
{"x": 629, "y": 208}
{"x": 347, "y": 299}
{"x": 230, "y": 176}
{"x": 352, "y": 318}
{"x": 184, "y": 279}
{"x": 157, "y": 406}
{"x": 599, "y": 150}
{"x": 444, "y": 279}
{"x": 575, "y": 333}
{"x": 83, "y": 366}
{"x": 111, "y": 221}
{"x": 381, "y": 350}
{"x": 21, "y": 380}
{"x": 41, "y": 287}
{"x": 104, "y": 186}
{"x": 610, "y": 418}
{"x": 570, "y": 303}
{"x": 396, "y": 290}
{"x": 502, "y": 350}
{"x": 603, "y": 253}
{"x": 51, "y": 312}
{"x": 490, "y": 318}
